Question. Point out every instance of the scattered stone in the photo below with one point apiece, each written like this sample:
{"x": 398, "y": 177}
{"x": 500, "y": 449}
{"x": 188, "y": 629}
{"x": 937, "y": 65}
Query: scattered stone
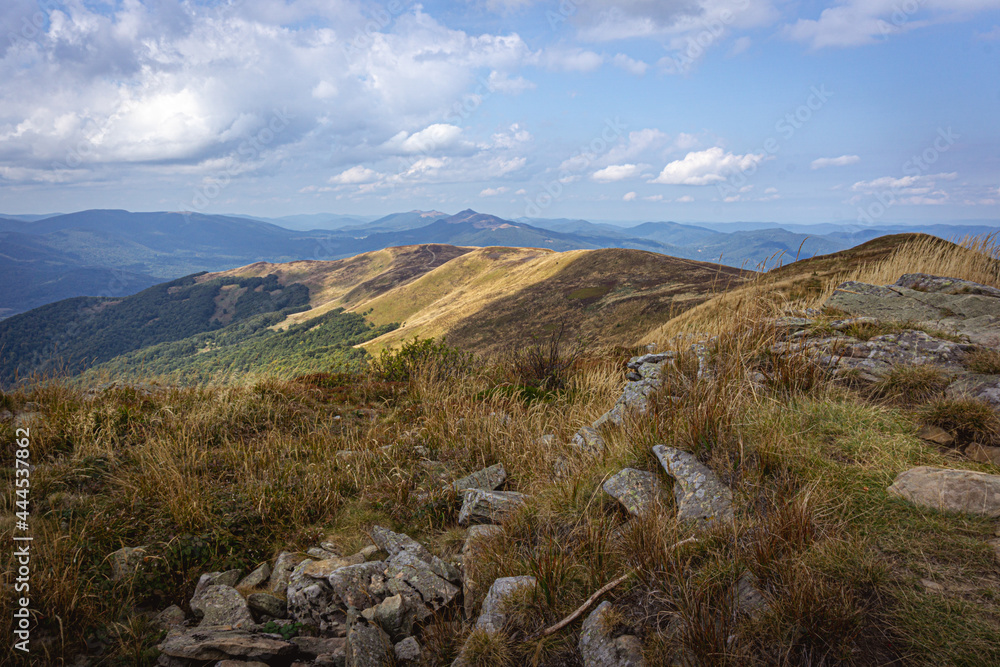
{"x": 983, "y": 454}
{"x": 936, "y": 435}
{"x": 222, "y": 644}
{"x": 435, "y": 591}
{"x": 487, "y": 479}
{"x": 393, "y": 614}
{"x": 488, "y": 506}
{"x": 321, "y": 554}
{"x": 636, "y": 362}
{"x": 548, "y": 440}
{"x": 395, "y": 543}
{"x": 474, "y": 538}
{"x": 321, "y": 569}
{"x": 352, "y": 584}
{"x": 256, "y": 578}
{"x": 222, "y": 605}
{"x": 788, "y": 323}
{"x": 170, "y": 617}
{"x": 700, "y": 496}
{"x": 932, "y": 586}
{"x": 749, "y": 599}
{"x": 240, "y": 663}
{"x": 228, "y": 578}
{"x": 599, "y": 648}
{"x": 283, "y": 567}
{"x": 268, "y": 603}
{"x": 636, "y": 490}
{"x": 311, "y": 647}
{"x": 477, "y": 533}
{"x": 492, "y": 618}
{"x": 368, "y": 646}
{"x": 589, "y": 440}
{"x": 126, "y": 561}
{"x": 407, "y": 652}
{"x": 949, "y": 490}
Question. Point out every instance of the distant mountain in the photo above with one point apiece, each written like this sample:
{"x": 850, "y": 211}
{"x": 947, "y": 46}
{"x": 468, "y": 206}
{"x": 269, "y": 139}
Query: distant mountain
{"x": 28, "y": 217}
{"x": 312, "y": 221}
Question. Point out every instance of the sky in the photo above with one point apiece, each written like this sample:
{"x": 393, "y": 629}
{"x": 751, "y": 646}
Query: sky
{"x": 869, "y": 111}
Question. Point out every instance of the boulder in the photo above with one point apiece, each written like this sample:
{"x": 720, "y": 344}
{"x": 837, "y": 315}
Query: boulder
{"x": 749, "y": 599}
{"x": 222, "y": 605}
{"x": 600, "y": 648}
{"x": 256, "y": 578}
{"x": 352, "y": 585}
{"x": 368, "y": 646}
{"x": 395, "y": 543}
{"x": 636, "y": 490}
{"x": 395, "y": 615}
{"x": 283, "y": 567}
{"x": 488, "y": 506}
{"x": 588, "y": 440}
{"x": 949, "y": 490}
{"x": 126, "y": 561}
{"x": 268, "y": 603}
{"x": 170, "y": 617}
{"x": 223, "y": 644}
{"x": 474, "y": 538}
{"x": 228, "y": 578}
{"x": 936, "y": 435}
{"x": 311, "y": 647}
{"x": 983, "y": 454}
{"x": 435, "y": 591}
{"x": 492, "y": 616}
{"x": 700, "y": 496}
{"x": 320, "y": 553}
{"x": 487, "y": 479}
{"x": 407, "y": 652}
{"x": 322, "y": 569}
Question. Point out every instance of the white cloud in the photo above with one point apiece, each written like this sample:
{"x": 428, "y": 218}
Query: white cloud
{"x": 493, "y": 192}
{"x": 916, "y": 190}
{"x": 857, "y": 22}
{"x": 629, "y": 196}
{"x": 354, "y": 175}
{"x": 654, "y": 198}
{"x": 499, "y": 82}
{"x": 706, "y": 167}
{"x": 842, "y": 161}
{"x": 572, "y": 59}
{"x": 617, "y": 172}
{"x": 686, "y": 199}
{"x": 431, "y": 139}
{"x": 636, "y": 67}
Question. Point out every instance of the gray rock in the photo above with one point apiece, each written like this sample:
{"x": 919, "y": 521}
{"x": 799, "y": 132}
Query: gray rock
{"x": 589, "y": 441}
{"x": 636, "y": 490}
{"x": 599, "y": 648}
{"x": 228, "y": 578}
{"x": 983, "y": 454}
{"x": 395, "y": 615}
{"x": 488, "y": 506}
{"x": 240, "y": 663}
{"x": 487, "y": 479}
{"x": 311, "y": 647}
{"x": 322, "y": 569}
{"x": 256, "y": 578}
{"x": 218, "y": 644}
{"x": 477, "y": 533}
{"x": 949, "y": 490}
{"x": 635, "y": 362}
{"x": 475, "y": 538}
{"x": 434, "y": 590}
{"x": 352, "y": 585}
{"x": 395, "y": 543}
{"x": 368, "y": 646}
{"x": 749, "y": 599}
{"x": 222, "y": 605}
{"x": 700, "y": 496}
{"x": 126, "y": 561}
{"x": 268, "y": 603}
{"x": 170, "y": 617}
{"x": 408, "y": 652}
{"x": 492, "y": 616}
{"x": 322, "y": 554}
{"x": 283, "y": 567}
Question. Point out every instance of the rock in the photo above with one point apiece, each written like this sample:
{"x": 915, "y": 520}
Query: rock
{"x": 268, "y": 603}
{"x": 395, "y": 543}
{"x": 749, "y": 599}
{"x": 219, "y": 644}
{"x": 321, "y": 569}
{"x": 283, "y": 567}
{"x": 547, "y": 440}
{"x": 599, "y": 648}
{"x": 256, "y": 578}
{"x": 170, "y": 617}
{"x": 932, "y": 586}
{"x": 321, "y": 603}
{"x": 789, "y": 323}
{"x": 228, "y": 578}
{"x": 986, "y": 388}
{"x": 330, "y": 547}
{"x": 393, "y": 614}
{"x": 589, "y": 441}
{"x": 477, "y": 533}
{"x": 636, "y": 490}
{"x": 26, "y": 419}
{"x": 474, "y": 538}
{"x": 492, "y": 618}
{"x": 487, "y": 479}
{"x": 322, "y": 554}
{"x": 407, "y": 652}
{"x": 352, "y": 584}
{"x": 635, "y": 362}
{"x": 488, "y": 506}
{"x": 936, "y": 435}
{"x": 700, "y": 496}
{"x": 433, "y": 589}
{"x": 983, "y": 454}
{"x": 126, "y": 561}
{"x": 311, "y": 647}
{"x": 239, "y": 663}
{"x": 368, "y": 646}
{"x": 949, "y": 490}
{"x": 222, "y": 605}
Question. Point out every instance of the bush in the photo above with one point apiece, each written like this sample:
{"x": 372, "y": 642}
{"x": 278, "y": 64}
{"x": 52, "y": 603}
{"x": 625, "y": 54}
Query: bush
{"x": 426, "y": 355}
{"x": 545, "y": 364}
{"x": 911, "y": 384}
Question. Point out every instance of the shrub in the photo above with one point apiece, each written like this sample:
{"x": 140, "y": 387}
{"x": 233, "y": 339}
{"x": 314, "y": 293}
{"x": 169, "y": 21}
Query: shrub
{"x": 426, "y": 355}
{"x": 968, "y": 418}
{"x": 911, "y": 384}
{"x": 546, "y": 363}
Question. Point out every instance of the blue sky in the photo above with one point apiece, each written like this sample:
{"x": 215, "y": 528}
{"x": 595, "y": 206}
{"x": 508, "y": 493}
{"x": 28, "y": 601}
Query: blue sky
{"x": 879, "y": 111}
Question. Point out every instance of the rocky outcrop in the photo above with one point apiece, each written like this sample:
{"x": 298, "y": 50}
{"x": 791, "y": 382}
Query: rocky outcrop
{"x": 599, "y": 647}
{"x": 222, "y": 605}
{"x": 487, "y": 479}
{"x": 368, "y": 646}
{"x": 700, "y": 496}
{"x": 949, "y": 490}
{"x": 488, "y": 506}
{"x": 493, "y": 616}
{"x": 223, "y": 644}
{"x": 636, "y": 490}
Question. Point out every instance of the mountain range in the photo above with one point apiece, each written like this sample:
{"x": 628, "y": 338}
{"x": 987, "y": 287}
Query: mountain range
{"x": 114, "y": 253}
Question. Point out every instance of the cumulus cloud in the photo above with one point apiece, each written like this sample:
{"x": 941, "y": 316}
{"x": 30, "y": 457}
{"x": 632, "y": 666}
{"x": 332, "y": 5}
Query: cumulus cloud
{"x": 629, "y": 196}
{"x": 686, "y": 199}
{"x": 842, "y": 161}
{"x": 636, "y": 67}
{"x": 355, "y": 175}
{"x": 617, "y": 172}
{"x": 493, "y": 192}
{"x": 432, "y": 139}
{"x": 573, "y": 59}
{"x": 500, "y": 82}
{"x": 917, "y": 189}
{"x": 706, "y": 167}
